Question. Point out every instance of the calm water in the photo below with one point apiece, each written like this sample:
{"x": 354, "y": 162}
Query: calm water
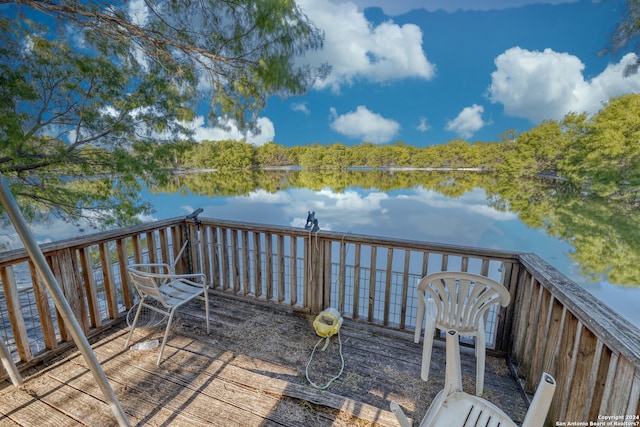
{"x": 415, "y": 212}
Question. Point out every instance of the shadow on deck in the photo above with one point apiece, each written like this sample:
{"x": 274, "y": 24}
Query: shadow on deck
{"x": 249, "y": 371}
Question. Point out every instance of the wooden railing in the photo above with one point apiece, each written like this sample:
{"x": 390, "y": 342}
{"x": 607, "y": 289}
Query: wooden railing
{"x": 551, "y": 325}
{"x": 593, "y": 353}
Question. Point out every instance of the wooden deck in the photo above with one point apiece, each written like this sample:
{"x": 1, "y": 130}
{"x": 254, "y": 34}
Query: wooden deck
{"x": 249, "y": 371}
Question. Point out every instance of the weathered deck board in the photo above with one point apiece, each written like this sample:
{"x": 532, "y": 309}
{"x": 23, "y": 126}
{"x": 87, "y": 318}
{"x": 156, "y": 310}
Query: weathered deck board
{"x": 249, "y": 371}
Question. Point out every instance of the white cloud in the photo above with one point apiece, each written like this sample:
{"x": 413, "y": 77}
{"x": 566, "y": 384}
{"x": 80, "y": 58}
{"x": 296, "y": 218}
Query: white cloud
{"x": 467, "y": 122}
{"x": 547, "y": 85}
{"x": 358, "y": 50}
{"x": 138, "y": 12}
{"x": 202, "y": 132}
{"x": 350, "y": 209}
{"x": 364, "y": 124}
{"x": 399, "y": 7}
{"x": 474, "y": 202}
{"x": 300, "y": 107}
{"x": 423, "y": 126}
{"x": 263, "y": 196}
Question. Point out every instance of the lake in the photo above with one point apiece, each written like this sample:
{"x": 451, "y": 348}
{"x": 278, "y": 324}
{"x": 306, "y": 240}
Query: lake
{"x": 594, "y": 247}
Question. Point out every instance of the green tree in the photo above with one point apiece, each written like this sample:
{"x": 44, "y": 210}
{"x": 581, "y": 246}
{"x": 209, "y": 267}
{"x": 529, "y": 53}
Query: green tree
{"x": 67, "y": 116}
{"x": 272, "y": 154}
{"x": 221, "y": 155}
{"x": 99, "y": 99}
{"x": 244, "y": 49}
{"x": 605, "y": 157}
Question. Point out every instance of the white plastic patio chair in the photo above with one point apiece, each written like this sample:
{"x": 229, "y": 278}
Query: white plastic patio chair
{"x": 454, "y": 408}
{"x": 162, "y": 291}
{"x": 459, "y": 301}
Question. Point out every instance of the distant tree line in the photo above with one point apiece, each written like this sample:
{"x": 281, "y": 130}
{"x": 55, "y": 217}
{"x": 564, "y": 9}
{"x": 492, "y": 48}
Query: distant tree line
{"x": 600, "y": 154}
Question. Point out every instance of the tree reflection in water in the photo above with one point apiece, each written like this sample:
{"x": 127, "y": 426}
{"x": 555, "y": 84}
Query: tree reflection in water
{"x": 594, "y": 241}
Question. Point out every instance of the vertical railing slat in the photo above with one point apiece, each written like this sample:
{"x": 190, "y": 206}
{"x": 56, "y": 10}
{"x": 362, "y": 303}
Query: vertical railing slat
{"x": 123, "y": 262}
{"x": 205, "y": 250}
{"x": 484, "y": 270}
{"x": 164, "y": 246}
{"x": 464, "y": 264}
{"x": 387, "y": 286}
{"x": 246, "y": 264}
{"x": 90, "y": 287}
{"x": 405, "y": 289}
{"x": 12, "y": 299}
{"x": 44, "y": 309}
{"x": 445, "y": 262}
{"x": 552, "y": 340}
{"x": 325, "y": 273}
{"x": 580, "y": 395}
{"x": 594, "y": 373}
{"x": 268, "y": 255}
{"x": 342, "y": 275}
{"x": 541, "y": 336}
{"x": 372, "y": 284}
{"x": 281, "y": 272}
{"x": 634, "y": 397}
{"x": 152, "y": 248}
{"x": 293, "y": 270}
{"x": 570, "y": 372}
{"x": 177, "y": 241}
{"x": 624, "y": 377}
{"x": 356, "y": 282}
{"x": 235, "y": 261}
{"x": 257, "y": 263}
{"x": 109, "y": 283}
{"x": 215, "y": 253}
{"x": 534, "y": 315}
{"x": 224, "y": 256}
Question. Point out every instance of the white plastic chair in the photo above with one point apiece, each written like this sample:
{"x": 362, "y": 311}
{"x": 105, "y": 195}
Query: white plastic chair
{"x": 459, "y": 301}
{"x": 157, "y": 283}
{"x": 452, "y": 407}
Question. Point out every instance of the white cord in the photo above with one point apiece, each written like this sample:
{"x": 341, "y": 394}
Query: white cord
{"x": 324, "y": 387}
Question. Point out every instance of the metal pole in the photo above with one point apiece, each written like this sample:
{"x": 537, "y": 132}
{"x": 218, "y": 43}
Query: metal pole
{"x": 9, "y": 365}
{"x": 31, "y": 245}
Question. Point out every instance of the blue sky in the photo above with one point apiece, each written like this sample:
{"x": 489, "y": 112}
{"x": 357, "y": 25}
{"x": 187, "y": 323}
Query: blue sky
{"x": 429, "y": 71}
{"x": 426, "y": 72}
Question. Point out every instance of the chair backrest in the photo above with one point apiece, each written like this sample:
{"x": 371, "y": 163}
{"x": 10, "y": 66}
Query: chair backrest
{"x": 462, "y": 299}
{"x": 148, "y": 282}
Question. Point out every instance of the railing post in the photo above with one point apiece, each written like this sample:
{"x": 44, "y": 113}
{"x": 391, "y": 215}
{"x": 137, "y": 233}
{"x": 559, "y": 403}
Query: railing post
{"x": 314, "y": 264}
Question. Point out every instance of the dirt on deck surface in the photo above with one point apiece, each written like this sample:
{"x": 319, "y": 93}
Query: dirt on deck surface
{"x": 379, "y": 365}
{"x": 249, "y": 370}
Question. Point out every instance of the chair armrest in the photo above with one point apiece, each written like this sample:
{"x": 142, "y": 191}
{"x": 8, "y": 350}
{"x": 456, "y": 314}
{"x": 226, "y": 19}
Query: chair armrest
{"x": 198, "y": 278}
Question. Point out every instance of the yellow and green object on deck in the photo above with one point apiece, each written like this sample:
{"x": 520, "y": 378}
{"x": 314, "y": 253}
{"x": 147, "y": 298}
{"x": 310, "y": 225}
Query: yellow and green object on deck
{"x": 328, "y": 322}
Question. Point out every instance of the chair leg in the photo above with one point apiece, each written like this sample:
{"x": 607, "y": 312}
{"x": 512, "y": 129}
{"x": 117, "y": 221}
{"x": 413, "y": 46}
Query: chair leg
{"x": 481, "y": 350}
{"x": 453, "y": 369}
{"x": 133, "y": 325}
{"x": 539, "y": 408}
{"x": 427, "y": 348}
{"x": 430, "y": 312}
{"x": 166, "y": 335}
{"x": 402, "y": 418}
{"x": 206, "y": 307}
{"x": 419, "y": 317}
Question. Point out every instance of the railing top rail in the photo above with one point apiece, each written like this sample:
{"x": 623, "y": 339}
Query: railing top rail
{"x": 18, "y": 255}
{"x": 349, "y": 237}
{"x": 612, "y": 329}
